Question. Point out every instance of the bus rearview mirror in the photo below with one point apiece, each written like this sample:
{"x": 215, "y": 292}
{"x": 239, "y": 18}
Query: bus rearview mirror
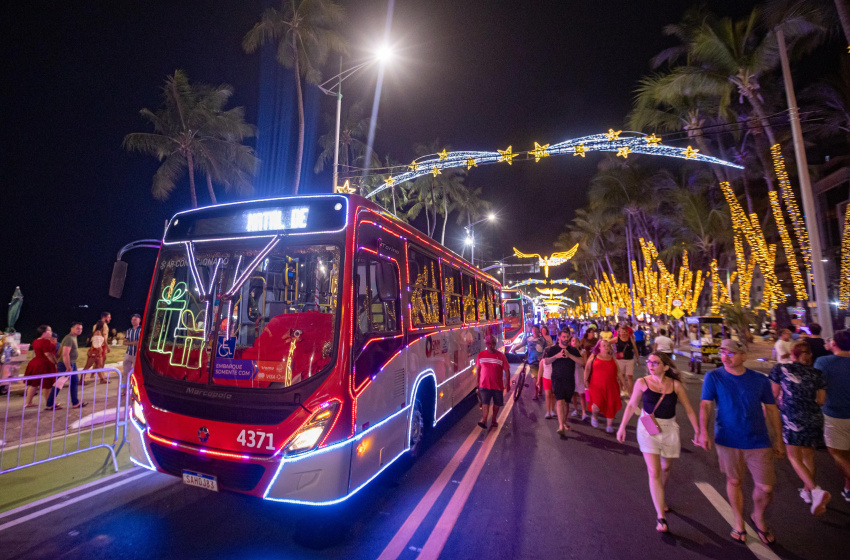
{"x": 116, "y": 283}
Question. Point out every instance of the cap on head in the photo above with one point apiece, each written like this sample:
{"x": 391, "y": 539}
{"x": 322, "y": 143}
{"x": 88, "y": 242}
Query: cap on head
{"x": 136, "y": 315}
{"x": 733, "y": 346}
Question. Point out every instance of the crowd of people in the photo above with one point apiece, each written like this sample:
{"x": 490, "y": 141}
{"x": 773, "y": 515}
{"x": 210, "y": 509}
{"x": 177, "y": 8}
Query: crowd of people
{"x": 52, "y": 357}
{"x": 802, "y": 405}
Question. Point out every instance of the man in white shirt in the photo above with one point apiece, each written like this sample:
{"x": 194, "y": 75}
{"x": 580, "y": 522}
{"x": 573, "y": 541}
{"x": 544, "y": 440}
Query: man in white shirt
{"x": 663, "y": 343}
{"x": 782, "y": 348}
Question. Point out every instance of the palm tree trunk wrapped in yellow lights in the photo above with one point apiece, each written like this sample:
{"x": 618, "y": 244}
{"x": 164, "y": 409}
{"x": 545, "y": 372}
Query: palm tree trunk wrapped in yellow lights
{"x": 796, "y": 277}
{"x": 793, "y": 211}
{"x": 749, "y": 228}
{"x": 655, "y": 288}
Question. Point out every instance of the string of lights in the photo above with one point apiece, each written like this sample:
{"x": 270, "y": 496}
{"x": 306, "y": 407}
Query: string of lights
{"x": 609, "y": 142}
{"x": 788, "y": 245}
{"x": 793, "y": 210}
{"x": 751, "y": 229}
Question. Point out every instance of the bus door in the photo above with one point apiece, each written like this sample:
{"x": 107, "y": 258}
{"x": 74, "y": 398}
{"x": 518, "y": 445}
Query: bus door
{"x": 378, "y": 374}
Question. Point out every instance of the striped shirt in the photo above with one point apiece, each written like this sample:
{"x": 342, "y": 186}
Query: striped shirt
{"x": 132, "y": 335}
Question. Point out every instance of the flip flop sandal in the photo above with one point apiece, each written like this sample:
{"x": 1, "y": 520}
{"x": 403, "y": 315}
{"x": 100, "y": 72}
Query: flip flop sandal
{"x": 483, "y": 425}
{"x": 739, "y": 536}
{"x": 56, "y": 407}
{"x": 766, "y": 536}
{"x": 80, "y": 405}
{"x": 660, "y": 522}
{"x": 494, "y": 425}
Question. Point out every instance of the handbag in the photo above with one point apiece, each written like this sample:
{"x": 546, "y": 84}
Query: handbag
{"x": 620, "y": 356}
{"x": 650, "y": 424}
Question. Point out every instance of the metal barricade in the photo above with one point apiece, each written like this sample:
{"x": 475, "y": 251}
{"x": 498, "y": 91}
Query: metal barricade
{"x": 62, "y": 430}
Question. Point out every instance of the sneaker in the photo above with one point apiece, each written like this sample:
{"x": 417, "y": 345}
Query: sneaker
{"x": 820, "y": 498}
{"x": 595, "y": 423}
{"x": 574, "y": 413}
{"x": 583, "y": 417}
{"x": 610, "y": 429}
{"x": 846, "y": 495}
{"x": 806, "y": 495}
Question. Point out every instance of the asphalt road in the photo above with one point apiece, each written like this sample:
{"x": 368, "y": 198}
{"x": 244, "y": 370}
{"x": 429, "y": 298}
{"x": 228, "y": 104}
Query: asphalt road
{"x": 516, "y": 492}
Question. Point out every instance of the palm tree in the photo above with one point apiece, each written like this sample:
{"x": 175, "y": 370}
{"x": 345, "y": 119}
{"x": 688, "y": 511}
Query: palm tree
{"x": 354, "y": 126}
{"x": 192, "y": 131}
{"x": 306, "y": 34}
{"x": 433, "y": 193}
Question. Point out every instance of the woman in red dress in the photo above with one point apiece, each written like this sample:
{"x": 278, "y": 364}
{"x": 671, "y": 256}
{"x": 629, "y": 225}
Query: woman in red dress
{"x": 602, "y": 380}
{"x": 44, "y": 362}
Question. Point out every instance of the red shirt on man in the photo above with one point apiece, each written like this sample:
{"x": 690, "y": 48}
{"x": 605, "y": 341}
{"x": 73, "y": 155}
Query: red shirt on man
{"x": 490, "y": 366}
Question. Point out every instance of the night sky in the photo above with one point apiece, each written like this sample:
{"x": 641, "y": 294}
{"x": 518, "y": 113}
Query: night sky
{"x": 478, "y": 75}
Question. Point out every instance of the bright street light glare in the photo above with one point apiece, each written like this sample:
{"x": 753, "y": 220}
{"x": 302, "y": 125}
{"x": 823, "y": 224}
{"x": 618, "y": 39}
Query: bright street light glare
{"x": 384, "y": 54}
{"x": 491, "y": 217}
{"x": 469, "y": 241}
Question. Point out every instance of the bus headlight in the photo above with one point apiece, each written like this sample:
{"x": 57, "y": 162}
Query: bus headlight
{"x": 138, "y": 413}
{"x": 310, "y": 433}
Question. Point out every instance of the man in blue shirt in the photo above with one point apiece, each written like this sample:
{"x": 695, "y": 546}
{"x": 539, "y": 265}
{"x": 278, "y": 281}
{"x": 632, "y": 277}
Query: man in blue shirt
{"x": 836, "y": 409}
{"x": 741, "y": 435}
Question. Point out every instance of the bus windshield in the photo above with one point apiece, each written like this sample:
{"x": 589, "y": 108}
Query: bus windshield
{"x": 256, "y": 314}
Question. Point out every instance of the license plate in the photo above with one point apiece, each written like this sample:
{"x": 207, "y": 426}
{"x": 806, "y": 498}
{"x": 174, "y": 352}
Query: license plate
{"x": 200, "y": 480}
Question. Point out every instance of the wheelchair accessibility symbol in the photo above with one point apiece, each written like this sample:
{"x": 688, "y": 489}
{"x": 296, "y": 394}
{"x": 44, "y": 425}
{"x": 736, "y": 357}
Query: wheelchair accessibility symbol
{"x": 226, "y": 347}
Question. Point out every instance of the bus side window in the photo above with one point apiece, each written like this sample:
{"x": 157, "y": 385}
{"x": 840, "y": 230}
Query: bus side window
{"x": 376, "y": 284}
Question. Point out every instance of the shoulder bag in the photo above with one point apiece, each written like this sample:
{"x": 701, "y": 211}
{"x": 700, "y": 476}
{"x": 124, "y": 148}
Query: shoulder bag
{"x": 650, "y": 424}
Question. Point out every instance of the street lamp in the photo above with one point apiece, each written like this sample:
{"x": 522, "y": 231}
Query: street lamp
{"x": 383, "y": 55}
{"x": 470, "y": 235}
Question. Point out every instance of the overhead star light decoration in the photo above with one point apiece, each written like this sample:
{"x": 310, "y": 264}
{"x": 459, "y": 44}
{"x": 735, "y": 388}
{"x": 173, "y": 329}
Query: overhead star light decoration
{"x": 346, "y": 187}
{"x": 613, "y": 141}
{"x": 507, "y": 155}
{"x": 539, "y": 151}
{"x": 554, "y": 259}
{"x": 624, "y": 152}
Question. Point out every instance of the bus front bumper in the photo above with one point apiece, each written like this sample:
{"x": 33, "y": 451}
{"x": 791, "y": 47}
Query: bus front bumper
{"x": 319, "y": 477}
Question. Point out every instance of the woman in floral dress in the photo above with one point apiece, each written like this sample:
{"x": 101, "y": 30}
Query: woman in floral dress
{"x": 800, "y": 391}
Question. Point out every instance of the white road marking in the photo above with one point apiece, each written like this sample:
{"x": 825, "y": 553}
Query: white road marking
{"x": 66, "y": 492}
{"x": 722, "y": 506}
{"x": 72, "y": 501}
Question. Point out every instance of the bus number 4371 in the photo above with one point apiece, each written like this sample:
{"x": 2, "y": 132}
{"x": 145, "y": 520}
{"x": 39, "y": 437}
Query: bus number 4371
{"x": 250, "y": 438}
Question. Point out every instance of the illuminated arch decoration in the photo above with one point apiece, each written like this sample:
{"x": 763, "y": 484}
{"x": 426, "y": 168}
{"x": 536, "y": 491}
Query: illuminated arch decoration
{"x": 612, "y": 141}
{"x": 562, "y": 281}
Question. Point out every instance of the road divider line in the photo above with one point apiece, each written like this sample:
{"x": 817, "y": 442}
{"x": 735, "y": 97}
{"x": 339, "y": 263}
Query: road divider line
{"x": 399, "y": 542}
{"x": 722, "y": 506}
{"x": 72, "y": 501}
{"x": 437, "y": 540}
{"x": 69, "y": 491}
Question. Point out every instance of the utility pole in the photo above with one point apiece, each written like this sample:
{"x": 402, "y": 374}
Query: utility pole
{"x": 821, "y": 293}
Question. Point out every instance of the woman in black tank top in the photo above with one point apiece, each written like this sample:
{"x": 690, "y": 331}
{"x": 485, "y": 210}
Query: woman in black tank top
{"x": 659, "y": 392}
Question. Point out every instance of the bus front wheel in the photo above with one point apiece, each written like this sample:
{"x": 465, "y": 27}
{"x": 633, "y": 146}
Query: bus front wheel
{"x": 417, "y": 429}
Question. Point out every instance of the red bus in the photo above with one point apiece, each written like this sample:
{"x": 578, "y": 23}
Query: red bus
{"x": 293, "y": 348}
{"x": 519, "y": 311}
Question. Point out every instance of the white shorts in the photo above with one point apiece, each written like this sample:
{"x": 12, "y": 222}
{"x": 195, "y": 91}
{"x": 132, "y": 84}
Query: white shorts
{"x": 666, "y": 443}
{"x": 580, "y": 380}
{"x": 836, "y": 432}
{"x": 627, "y": 367}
